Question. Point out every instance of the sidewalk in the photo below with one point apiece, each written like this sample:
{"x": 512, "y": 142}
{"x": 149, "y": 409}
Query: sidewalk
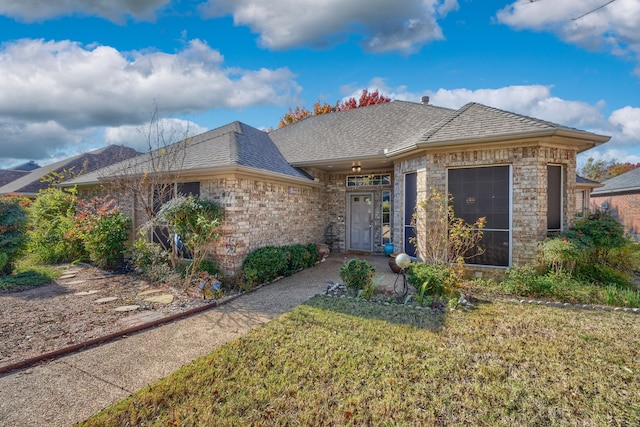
{"x": 72, "y": 388}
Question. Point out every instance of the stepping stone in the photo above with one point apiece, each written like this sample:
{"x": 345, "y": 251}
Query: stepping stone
{"x": 67, "y": 276}
{"x": 83, "y": 293}
{"x": 127, "y": 308}
{"x": 106, "y": 299}
{"x": 75, "y": 282}
{"x": 161, "y": 299}
{"x": 149, "y": 292}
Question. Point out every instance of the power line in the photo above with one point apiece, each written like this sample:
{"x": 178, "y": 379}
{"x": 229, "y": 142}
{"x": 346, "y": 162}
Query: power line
{"x": 593, "y": 10}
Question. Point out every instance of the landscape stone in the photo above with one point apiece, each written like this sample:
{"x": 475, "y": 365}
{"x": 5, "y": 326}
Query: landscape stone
{"x": 161, "y": 299}
{"x": 149, "y": 292}
{"x": 76, "y": 282}
{"x": 127, "y": 308}
{"x": 83, "y": 293}
{"x": 106, "y": 299}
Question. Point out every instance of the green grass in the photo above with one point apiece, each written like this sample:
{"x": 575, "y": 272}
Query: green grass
{"x": 28, "y": 275}
{"x": 346, "y": 362}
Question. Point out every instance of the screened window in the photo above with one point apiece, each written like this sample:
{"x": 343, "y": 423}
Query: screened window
{"x": 485, "y": 192}
{"x": 410, "y": 200}
{"x": 554, "y": 198}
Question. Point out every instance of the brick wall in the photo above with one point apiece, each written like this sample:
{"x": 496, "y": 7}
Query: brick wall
{"x": 529, "y": 184}
{"x": 625, "y": 207}
{"x": 261, "y": 213}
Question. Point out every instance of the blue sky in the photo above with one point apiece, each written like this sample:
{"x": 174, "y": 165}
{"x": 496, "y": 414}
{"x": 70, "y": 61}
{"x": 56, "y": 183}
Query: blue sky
{"x": 76, "y": 75}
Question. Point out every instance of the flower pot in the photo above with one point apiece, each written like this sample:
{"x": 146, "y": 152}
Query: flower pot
{"x": 388, "y": 248}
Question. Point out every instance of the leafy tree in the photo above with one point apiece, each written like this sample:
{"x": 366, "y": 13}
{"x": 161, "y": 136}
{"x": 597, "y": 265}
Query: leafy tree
{"x": 600, "y": 170}
{"x": 13, "y": 230}
{"x": 195, "y": 223}
{"x": 367, "y": 98}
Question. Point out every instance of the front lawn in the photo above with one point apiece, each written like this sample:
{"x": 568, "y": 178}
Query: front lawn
{"x": 337, "y": 361}
{"x": 28, "y": 275}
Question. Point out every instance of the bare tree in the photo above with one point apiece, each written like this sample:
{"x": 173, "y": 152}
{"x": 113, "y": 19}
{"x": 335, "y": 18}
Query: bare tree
{"x": 151, "y": 179}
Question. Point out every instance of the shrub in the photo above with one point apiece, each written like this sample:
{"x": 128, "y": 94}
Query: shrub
{"x": 598, "y": 235}
{"x": 313, "y": 254}
{"x": 152, "y": 260}
{"x": 430, "y": 280}
{"x": 560, "y": 254}
{"x": 105, "y": 242}
{"x": 297, "y": 258}
{"x": 264, "y": 265}
{"x": 52, "y": 239}
{"x": 13, "y": 229}
{"x": 358, "y": 275}
{"x": 196, "y": 222}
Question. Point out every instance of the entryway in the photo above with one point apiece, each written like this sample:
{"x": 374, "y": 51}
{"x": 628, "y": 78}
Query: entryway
{"x": 361, "y": 222}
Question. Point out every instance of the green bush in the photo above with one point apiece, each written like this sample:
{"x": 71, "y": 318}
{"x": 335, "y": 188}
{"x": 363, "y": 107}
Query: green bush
{"x": 52, "y": 238}
{"x": 13, "y": 231}
{"x": 209, "y": 265}
{"x": 429, "y": 280}
{"x": 297, "y": 258}
{"x": 105, "y": 242}
{"x": 152, "y": 260}
{"x": 264, "y": 265}
{"x": 312, "y": 248}
{"x": 602, "y": 275}
{"x": 597, "y": 235}
{"x": 357, "y": 274}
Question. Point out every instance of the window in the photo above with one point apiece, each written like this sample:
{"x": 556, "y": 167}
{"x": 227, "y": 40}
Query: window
{"x": 554, "y": 198}
{"x": 386, "y": 217}
{"x": 410, "y": 200}
{"x": 485, "y": 192}
{"x": 581, "y": 203}
{"x": 162, "y": 193}
{"x": 368, "y": 180}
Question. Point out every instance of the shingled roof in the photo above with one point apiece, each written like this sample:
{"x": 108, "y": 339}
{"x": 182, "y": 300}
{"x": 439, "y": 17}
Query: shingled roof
{"x": 235, "y": 144}
{"x": 9, "y": 175}
{"x": 626, "y": 182}
{"x": 357, "y": 133}
{"x": 477, "y": 122}
{"x": 30, "y": 183}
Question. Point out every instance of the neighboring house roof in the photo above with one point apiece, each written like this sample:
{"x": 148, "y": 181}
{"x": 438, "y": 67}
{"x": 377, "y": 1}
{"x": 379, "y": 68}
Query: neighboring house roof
{"x": 8, "y": 175}
{"x": 31, "y": 183}
{"x": 582, "y": 182}
{"x": 27, "y": 167}
{"x": 232, "y": 145}
{"x": 626, "y": 182}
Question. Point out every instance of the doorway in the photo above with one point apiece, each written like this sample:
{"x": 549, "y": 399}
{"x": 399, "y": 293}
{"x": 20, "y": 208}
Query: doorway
{"x": 361, "y": 222}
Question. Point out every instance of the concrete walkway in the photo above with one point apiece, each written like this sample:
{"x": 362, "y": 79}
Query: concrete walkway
{"x": 72, "y": 388}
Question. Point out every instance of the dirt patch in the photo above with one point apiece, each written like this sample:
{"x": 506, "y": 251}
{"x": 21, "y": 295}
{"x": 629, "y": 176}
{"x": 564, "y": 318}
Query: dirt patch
{"x": 81, "y": 306}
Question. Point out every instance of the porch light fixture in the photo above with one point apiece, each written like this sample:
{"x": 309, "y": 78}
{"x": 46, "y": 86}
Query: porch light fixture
{"x": 356, "y": 168}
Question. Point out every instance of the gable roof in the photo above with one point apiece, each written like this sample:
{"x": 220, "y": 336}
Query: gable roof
{"x": 232, "y": 145}
{"x": 27, "y": 166}
{"x": 478, "y": 123}
{"x": 358, "y": 133}
{"x": 30, "y": 183}
{"x": 626, "y": 182}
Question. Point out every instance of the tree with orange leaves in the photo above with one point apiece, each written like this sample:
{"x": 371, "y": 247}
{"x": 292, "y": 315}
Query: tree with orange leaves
{"x": 367, "y": 98}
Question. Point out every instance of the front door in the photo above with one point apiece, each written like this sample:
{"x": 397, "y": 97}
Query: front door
{"x": 361, "y": 222}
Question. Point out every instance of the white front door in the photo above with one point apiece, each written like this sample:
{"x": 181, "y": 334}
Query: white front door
{"x": 361, "y": 222}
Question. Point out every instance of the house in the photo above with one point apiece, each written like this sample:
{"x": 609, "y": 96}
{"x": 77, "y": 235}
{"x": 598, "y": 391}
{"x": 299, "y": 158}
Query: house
{"x": 28, "y": 179}
{"x": 584, "y": 187}
{"x": 353, "y": 178}
{"x": 620, "y": 196}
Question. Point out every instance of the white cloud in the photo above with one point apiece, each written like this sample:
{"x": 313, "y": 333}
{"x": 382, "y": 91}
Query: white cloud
{"x": 613, "y": 27}
{"x": 153, "y": 134}
{"x": 114, "y": 10}
{"x": 56, "y": 92}
{"x": 627, "y": 121}
{"x": 381, "y": 25}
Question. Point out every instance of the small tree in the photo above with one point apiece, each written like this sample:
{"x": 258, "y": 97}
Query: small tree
{"x": 441, "y": 237}
{"x": 192, "y": 222}
{"x": 13, "y": 230}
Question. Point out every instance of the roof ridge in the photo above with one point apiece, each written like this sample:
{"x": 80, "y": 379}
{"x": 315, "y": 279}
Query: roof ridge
{"x": 446, "y": 120}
